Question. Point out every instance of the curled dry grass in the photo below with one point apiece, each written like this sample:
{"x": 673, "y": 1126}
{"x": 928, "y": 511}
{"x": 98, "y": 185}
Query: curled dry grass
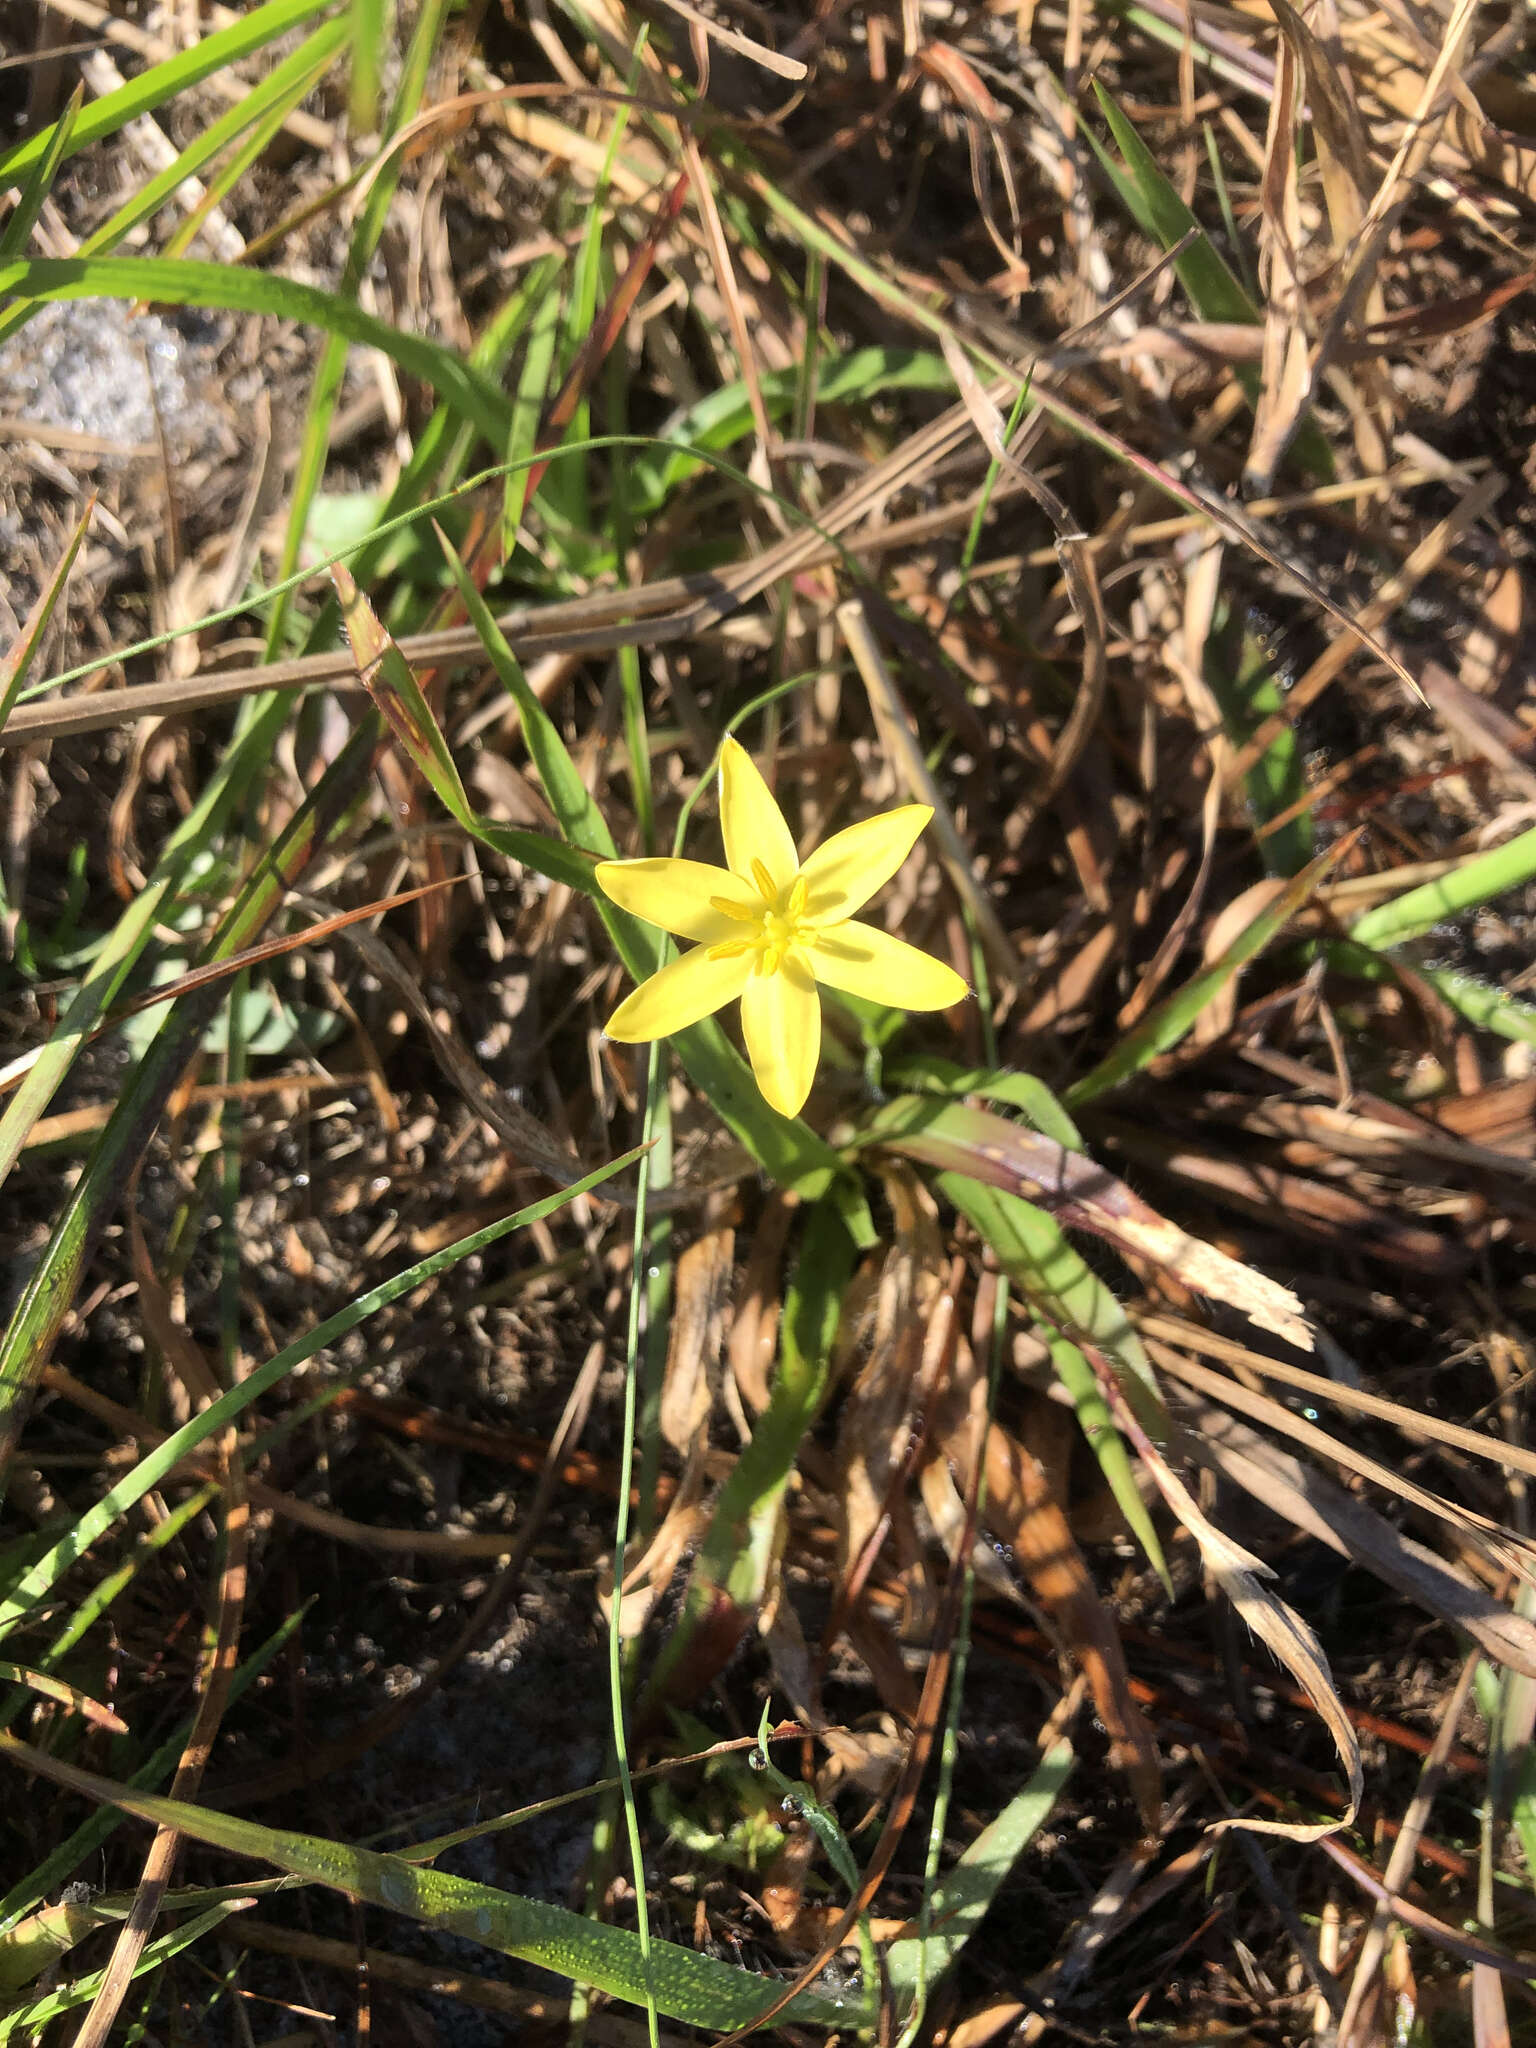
{"x": 1109, "y": 428}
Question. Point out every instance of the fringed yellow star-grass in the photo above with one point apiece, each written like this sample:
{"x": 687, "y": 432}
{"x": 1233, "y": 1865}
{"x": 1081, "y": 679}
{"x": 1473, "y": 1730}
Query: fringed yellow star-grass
{"x": 768, "y": 928}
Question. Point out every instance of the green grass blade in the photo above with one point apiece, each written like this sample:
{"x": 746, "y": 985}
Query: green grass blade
{"x": 569, "y": 798}
{"x": 46, "y": 1298}
{"x": 393, "y": 686}
{"x": 370, "y": 32}
{"x": 1475, "y": 882}
{"x": 521, "y": 441}
{"x": 1243, "y": 682}
{"x": 18, "y": 229}
{"x": 116, "y": 957}
{"x": 27, "y": 2020}
{"x": 928, "y": 1073}
{"x": 1215, "y": 293}
{"x": 1162, "y": 215}
{"x": 273, "y": 99}
{"x": 960, "y": 1903}
{"x": 13, "y": 670}
{"x": 106, "y": 1590}
{"x": 325, "y": 390}
{"x": 60, "y": 1863}
{"x": 731, "y": 1568}
{"x": 692, "y": 1988}
{"x": 184, "y": 283}
{"x": 724, "y": 416}
{"x": 1170, "y": 1020}
{"x": 244, "y": 36}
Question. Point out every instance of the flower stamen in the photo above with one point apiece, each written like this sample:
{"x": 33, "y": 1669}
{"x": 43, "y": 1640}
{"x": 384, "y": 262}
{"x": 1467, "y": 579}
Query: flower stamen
{"x": 744, "y": 913}
{"x": 764, "y": 881}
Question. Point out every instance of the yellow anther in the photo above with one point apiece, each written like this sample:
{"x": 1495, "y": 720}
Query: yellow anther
{"x": 744, "y": 913}
{"x": 768, "y": 959}
{"x": 764, "y": 881}
{"x": 730, "y": 949}
{"x": 797, "y": 897}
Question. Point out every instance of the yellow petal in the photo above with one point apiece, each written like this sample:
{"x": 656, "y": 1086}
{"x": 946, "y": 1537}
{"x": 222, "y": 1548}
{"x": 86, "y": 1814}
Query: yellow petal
{"x": 680, "y": 994}
{"x": 865, "y": 962}
{"x": 676, "y": 895}
{"x": 846, "y": 870}
{"x": 751, "y": 822}
{"x": 781, "y": 1022}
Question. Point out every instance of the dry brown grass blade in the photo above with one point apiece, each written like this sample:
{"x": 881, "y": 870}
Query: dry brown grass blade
{"x": 1240, "y": 1576}
{"x": 1185, "y": 656}
{"x": 884, "y": 1413}
{"x": 1413, "y": 1422}
{"x": 1465, "y": 1947}
{"x": 893, "y": 722}
{"x": 1413, "y": 154}
{"x": 701, "y": 1280}
{"x": 1077, "y": 568}
{"x": 1085, "y": 1195}
{"x": 671, "y": 609}
{"x": 1319, "y": 1505}
{"x": 1285, "y": 372}
{"x": 1337, "y": 131}
{"x": 1507, "y": 1551}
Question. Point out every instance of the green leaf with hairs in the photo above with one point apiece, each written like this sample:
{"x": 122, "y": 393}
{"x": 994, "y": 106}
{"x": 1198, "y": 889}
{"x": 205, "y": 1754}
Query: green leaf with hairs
{"x": 695, "y": 1989}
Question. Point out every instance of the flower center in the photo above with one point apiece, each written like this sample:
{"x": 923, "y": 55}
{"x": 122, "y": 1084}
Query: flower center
{"x": 771, "y": 926}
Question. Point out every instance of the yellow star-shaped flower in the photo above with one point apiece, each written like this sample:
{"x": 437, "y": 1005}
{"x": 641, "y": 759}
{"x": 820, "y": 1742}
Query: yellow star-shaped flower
{"x": 768, "y": 929}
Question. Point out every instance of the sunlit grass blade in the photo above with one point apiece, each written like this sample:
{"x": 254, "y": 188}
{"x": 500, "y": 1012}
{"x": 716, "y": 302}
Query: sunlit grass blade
{"x": 579, "y": 818}
{"x": 521, "y": 441}
{"x": 393, "y": 686}
{"x": 1024, "y": 1092}
{"x": 961, "y": 1901}
{"x": 268, "y": 102}
{"x": 185, "y": 283}
{"x": 325, "y": 389}
{"x": 724, "y": 416}
{"x": 23, "y": 649}
{"x": 85, "y": 1841}
{"x": 17, "y": 231}
{"x": 690, "y": 1987}
{"x": 1476, "y": 881}
{"x": 27, "y": 2021}
{"x": 370, "y": 29}
{"x": 245, "y": 35}
{"x": 1161, "y": 214}
{"x": 1170, "y": 1020}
